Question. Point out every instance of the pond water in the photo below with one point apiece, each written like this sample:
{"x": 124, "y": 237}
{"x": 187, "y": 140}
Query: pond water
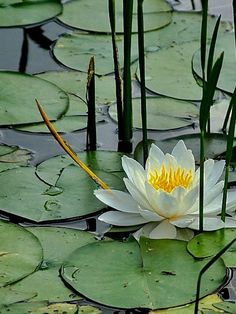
{"x": 36, "y": 57}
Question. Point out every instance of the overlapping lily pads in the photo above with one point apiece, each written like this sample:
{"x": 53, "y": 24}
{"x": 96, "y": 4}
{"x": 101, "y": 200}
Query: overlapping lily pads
{"x": 74, "y": 50}
{"x": 19, "y": 13}
{"x": 65, "y": 193}
{"x": 125, "y": 275}
{"x": 80, "y": 14}
{"x": 17, "y": 99}
{"x": 13, "y": 156}
{"x": 162, "y": 113}
{"x": 55, "y": 253}
{"x": 20, "y": 253}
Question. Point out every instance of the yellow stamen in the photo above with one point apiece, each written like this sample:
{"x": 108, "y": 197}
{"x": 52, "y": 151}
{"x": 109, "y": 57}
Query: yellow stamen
{"x": 69, "y": 150}
{"x": 167, "y": 180}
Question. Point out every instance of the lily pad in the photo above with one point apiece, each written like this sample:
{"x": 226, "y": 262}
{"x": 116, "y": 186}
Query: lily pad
{"x": 80, "y": 14}
{"x": 74, "y": 82}
{"x": 215, "y": 144}
{"x": 40, "y": 308}
{"x": 72, "y": 196}
{"x": 13, "y": 156}
{"x": 19, "y": 13}
{"x": 9, "y": 296}
{"x": 17, "y": 100}
{"x": 208, "y": 244}
{"x": 107, "y": 161}
{"x": 125, "y": 275}
{"x": 169, "y": 73}
{"x": 162, "y": 113}
{"x": 74, "y": 51}
{"x": 227, "y": 76}
{"x": 227, "y": 307}
{"x": 55, "y": 253}
{"x": 20, "y": 253}
{"x": 184, "y": 27}
{"x": 205, "y": 304}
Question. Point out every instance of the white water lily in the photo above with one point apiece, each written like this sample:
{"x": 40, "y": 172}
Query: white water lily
{"x": 165, "y": 195}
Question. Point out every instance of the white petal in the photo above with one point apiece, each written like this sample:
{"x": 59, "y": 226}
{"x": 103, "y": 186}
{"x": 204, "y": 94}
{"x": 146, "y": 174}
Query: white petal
{"x": 118, "y": 200}
{"x": 230, "y": 222}
{"x": 231, "y": 201}
{"x": 215, "y": 174}
{"x": 121, "y": 219}
{"x": 168, "y": 205}
{"x": 134, "y": 171}
{"x": 138, "y": 196}
{"x": 155, "y": 158}
{"x": 190, "y": 199}
{"x": 211, "y": 194}
{"x": 184, "y": 221}
{"x": 209, "y": 224}
{"x": 208, "y": 167}
{"x": 164, "y": 230}
{"x": 184, "y": 156}
{"x": 145, "y": 230}
{"x": 149, "y": 215}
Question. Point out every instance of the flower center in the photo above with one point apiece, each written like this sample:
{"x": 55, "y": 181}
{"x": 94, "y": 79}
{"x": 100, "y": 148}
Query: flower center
{"x": 167, "y": 180}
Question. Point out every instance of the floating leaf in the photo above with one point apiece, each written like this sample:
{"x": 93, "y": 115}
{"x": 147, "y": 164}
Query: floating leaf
{"x": 9, "y": 295}
{"x": 204, "y": 304}
{"x": 80, "y": 14}
{"x": 17, "y": 100}
{"x": 107, "y": 161}
{"x": 40, "y": 308}
{"x": 20, "y": 252}
{"x": 125, "y": 275}
{"x": 28, "y": 197}
{"x": 162, "y": 113}
{"x": 208, "y": 244}
{"x": 19, "y": 13}
{"x": 168, "y": 72}
{"x": 227, "y": 307}
{"x": 74, "y": 50}
{"x": 12, "y": 157}
{"x": 184, "y": 27}
{"x": 227, "y": 76}
{"x": 75, "y": 83}
{"x": 55, "y": 253}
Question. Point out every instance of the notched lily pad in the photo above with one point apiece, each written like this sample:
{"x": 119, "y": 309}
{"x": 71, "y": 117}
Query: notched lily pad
{"x": 13, "y": 156}
{"x": 125, "y": 275}
{"x": 80, "y": 14}
{"x": 20, "y": 253}
{"x": 162, "y": 113}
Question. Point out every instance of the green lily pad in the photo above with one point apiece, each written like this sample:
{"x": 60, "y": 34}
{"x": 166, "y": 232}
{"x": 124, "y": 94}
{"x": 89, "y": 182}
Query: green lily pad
{"x": 40, "y": 308}
{"x": 107, "y": 161}
{"x": 9, "y": 295}
{"x": 12, "y": 157}
{"x": 184, "y": 27}
{"x": 74, "y": 51}
{"x": 72, "y": 196}
{"x": 67, "y": 124}
{"x": 162, "y": 113}
{"x": 204, "y": 304}
{"x": 20, "y": 253}
{"x": 227, "y": 307}
{"x": 125, "y": 275}
{"x": 55, "y": 253}
{"x": 19, "y": 13}
{"x": 169, "y": 73}
{"x": 74, "y": 82}
{"x": 17, "y": 100}
{"x": 227, "y": 76}
{"x": 80, "y": 14}
{"x": 208, "y": 244}
{"x": 215, "y": 144}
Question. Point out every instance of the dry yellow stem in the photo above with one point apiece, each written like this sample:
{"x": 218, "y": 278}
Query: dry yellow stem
{"x": 68, "y": 150}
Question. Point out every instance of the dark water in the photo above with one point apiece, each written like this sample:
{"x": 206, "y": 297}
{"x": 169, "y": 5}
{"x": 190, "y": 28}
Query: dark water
{"x": 28, "y": 50}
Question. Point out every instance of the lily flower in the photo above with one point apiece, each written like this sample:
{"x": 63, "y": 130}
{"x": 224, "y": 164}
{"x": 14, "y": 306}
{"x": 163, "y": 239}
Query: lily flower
{"x": 164, "y": 197}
